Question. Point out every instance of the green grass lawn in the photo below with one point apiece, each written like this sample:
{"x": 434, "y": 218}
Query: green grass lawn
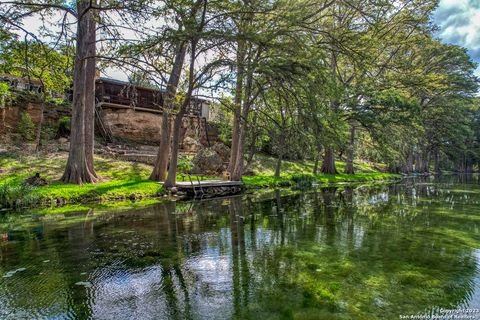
{"x": 266, "y": 165}
{"x": 118, "y": 179}
{"x": 268, "y": 180}
{"x": 264, "y": 168}
{"x": 121, "y": 179}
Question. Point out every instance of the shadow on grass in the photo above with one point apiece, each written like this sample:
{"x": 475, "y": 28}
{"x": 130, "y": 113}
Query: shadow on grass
{"x": 120, "y": 170}
{"x": 116, "y": 189}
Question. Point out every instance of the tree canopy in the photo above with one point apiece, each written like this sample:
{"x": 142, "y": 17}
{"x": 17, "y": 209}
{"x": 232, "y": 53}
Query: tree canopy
{"x": 307, "y": 79}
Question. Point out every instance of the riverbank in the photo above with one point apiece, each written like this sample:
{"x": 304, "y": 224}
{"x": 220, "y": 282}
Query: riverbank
{"x": 332, "y": 249}
{"x": 123, "y": 180}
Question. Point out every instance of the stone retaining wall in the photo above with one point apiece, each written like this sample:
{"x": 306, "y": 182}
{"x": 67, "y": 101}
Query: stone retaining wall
{"x": 145, "y": 127}
{"x": 10, "y": 115}
{"x": 128, "y": 124}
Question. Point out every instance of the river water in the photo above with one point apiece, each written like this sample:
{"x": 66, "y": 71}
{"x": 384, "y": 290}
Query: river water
{"x": 363, "y": 252}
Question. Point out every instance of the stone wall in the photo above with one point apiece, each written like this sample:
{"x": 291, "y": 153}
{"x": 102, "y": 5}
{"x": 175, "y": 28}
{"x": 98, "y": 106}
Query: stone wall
{"x": 10, "y": 115}
{"x": 145, "y": 127}
{"x": 128, "y": 124}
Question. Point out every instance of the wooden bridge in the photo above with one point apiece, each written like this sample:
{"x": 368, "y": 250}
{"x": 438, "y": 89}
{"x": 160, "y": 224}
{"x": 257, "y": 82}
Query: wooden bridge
{"x": 209, "y": 188}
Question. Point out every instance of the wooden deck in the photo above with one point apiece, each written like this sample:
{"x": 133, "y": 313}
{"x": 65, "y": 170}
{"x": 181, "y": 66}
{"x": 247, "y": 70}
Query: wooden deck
{"x": 208, "y": 183}
{"x": 209, "y": 188}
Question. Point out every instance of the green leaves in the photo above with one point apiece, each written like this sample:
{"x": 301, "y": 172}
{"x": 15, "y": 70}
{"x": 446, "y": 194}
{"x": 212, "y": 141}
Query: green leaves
{"x": 36, "y": 61}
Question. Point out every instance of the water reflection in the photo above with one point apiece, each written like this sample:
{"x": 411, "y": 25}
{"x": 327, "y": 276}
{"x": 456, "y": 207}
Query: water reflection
{"x": 336, "y": 253}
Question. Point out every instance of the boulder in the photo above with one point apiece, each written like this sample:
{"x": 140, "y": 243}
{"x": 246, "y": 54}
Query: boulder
{"x": 248, "y": 172}
{"x": 207, "y": 161}
{"x": 29, "y": 147}
{"x": 64, "y": 147}
{"x": 36, "y": 181}
{"x": 222, "y": 150}
{"x": 191, "y": 145}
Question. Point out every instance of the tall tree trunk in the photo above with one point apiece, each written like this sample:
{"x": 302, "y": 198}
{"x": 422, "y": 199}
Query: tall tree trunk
{"x": 419, "y": 162}
{"x": 239, "y": 162}
{"x": 408, "y": 166}
{"x": 171, "y": 179}
{"x": 38, "y": 134}
{"x": 238, "y": 170}
{"x": 349, "y": 169}
{"x": 468, "y": 165}
{"x": 238, "y": 107}
{"x": 317, "y": 158}
{"x": 76, "y": 170}
{"x": 90, "y": 94}
{"x": 278, "y": 166}
{"x": 235, "y": 137}
{"x": 253, "y": 145}
{"x": 315, "y": 166}
{"x": 159, "y": 172}
{"x": 437, "y": 162}
{"x": 410, "y": 161}
{"x": 461, "y": 167}
{"x": 243, "y": 127}
{"x": 328, "y": 165}
{"x": 426, "y": 162}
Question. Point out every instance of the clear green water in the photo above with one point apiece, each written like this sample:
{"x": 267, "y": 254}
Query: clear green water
{"x": 338, "y": 253}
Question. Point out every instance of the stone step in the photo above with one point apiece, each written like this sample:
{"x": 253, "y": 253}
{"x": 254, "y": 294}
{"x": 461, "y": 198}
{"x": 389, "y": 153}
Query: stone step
{"x": 142, "y": 158}
{"x": 130, "y": 151}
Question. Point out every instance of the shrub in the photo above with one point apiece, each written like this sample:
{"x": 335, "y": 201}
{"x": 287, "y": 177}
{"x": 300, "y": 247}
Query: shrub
{"x": 26, "y": 127}
{"x": 14, "y": 195}
{"x": 48, "y": 133}
{"x": 59, "y": 102}
{"x": 184, "y": 165}
{"x": 303, "y": 180}
{"x": 4, "y": 93}
{"x": 63, "y": 127}
{"x": 224, "y": 133}
{"x": 23, "y": 97}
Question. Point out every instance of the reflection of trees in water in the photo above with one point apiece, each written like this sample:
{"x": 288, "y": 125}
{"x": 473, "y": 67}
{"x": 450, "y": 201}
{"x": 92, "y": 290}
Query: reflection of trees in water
{"x": 337, "y": 252}
{"x": 240, "y": 269}
{"x": 376, "y": 260}
{"x": 328, "y": 195}
{"x": 46, "y": 283}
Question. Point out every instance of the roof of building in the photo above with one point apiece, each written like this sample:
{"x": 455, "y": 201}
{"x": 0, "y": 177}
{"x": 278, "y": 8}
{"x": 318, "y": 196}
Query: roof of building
{"x": 124, "y": 83}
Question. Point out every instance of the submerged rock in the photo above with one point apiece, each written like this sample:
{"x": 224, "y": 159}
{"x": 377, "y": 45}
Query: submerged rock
{"x": 86, "y": 284}
{"x": 12, "y": 272}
